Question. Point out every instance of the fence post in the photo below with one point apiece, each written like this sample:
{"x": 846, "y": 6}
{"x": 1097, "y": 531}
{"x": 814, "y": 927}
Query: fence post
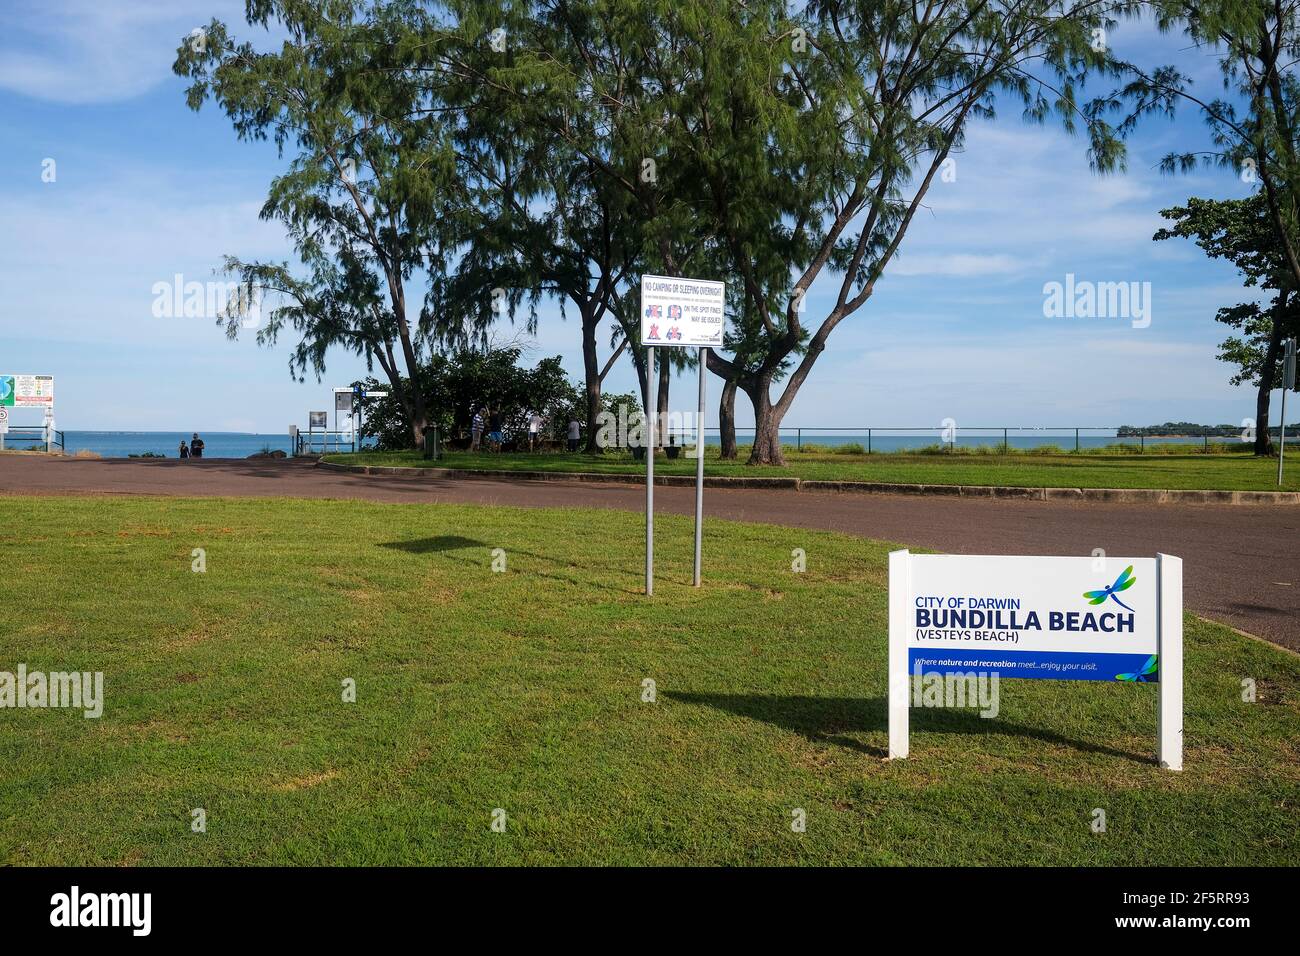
{"x": 868, "y": 441}
{"x": 1206, "y": 446}
{"x": 1005, "y": 447}
{"x": 1143, "y": 446}
{"x": 799, "y": 439}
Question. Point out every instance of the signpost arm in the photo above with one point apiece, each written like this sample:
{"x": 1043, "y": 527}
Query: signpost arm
{"x": 647, "y": 442}
{"x": 1169, "y": 648}
{"x": 699, "y": 470}
{"x": 900, "y": 599}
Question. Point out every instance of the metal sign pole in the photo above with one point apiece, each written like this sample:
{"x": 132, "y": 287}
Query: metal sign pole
{"x": 1281, "y": 453}
{"x": 647, "y": 442}
{"x": 699, "y": 469}
{"x": 1288, "y": 383}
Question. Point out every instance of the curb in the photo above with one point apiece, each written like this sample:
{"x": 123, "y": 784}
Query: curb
{"x": 684, "y": 481}
{"x": 1158, "y": 496}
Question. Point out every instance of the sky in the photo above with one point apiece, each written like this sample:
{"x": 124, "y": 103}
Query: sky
{"x": 145, "y": 189}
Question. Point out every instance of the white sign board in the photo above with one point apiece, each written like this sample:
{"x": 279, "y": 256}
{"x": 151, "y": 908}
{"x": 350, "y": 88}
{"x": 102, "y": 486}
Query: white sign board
{"x": 29, "y": 391}
{"x": 343, "y": 400}
{"x": 678, "y": 311}
{"x": 1058, "y": 618}
{"x": 317, "y": 420}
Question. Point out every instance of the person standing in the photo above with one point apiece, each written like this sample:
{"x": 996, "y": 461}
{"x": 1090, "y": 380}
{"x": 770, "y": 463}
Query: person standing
{"x": 494, "y": 429}
{"x": 196, "y": 446}
{"x": 575, "y": 433}
{"x": 476, "y": 429}
{"x": 534, "y": 430}
{"x": 185, "y": 450}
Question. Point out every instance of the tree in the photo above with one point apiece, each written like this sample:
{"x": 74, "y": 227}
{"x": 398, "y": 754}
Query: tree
{"x": 372, "y": 195}
{"x": 1253, "y": 129}
{"x": 567, "y": 91}
{"x": 548, "y": 219}
{"x": 466, "y": 379}
{"x": 1242, "y": 232}
{"x": 801, "y": 144}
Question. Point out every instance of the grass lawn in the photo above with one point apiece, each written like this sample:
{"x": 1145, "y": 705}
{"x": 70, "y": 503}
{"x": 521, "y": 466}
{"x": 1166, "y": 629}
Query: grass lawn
{"x": 522, "y": 690}
{"x": 1221, "y": 471}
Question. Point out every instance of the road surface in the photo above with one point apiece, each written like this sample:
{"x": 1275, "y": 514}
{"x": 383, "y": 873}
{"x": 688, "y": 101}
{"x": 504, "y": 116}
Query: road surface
{"x": 1241, "y": 563}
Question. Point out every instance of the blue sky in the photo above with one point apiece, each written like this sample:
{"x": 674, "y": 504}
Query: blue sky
{"x": 146, "y": 189}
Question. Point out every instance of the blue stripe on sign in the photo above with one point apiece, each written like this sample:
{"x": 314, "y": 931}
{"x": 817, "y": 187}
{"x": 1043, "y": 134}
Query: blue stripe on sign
{"x": 1051, "y": 665}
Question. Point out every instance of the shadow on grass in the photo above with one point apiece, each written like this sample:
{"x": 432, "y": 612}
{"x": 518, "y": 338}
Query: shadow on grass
{"x": 455, "y": 542}
{"x": 443, "y": 542}
{"x": 830, "y": 720}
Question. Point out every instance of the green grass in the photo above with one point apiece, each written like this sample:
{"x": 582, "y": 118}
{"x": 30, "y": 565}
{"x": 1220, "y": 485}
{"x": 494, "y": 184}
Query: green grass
{"x": 522, "y": 690}
{"x": 1228, "y": 471}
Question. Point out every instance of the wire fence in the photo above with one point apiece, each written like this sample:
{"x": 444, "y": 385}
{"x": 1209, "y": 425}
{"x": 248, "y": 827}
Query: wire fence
{"x": 874, "y": 438}
{"x": 32, "y": 434}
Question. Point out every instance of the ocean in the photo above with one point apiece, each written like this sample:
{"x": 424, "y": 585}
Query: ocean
{"x": 125, "y": 444}
{"x": 122, "y": 444}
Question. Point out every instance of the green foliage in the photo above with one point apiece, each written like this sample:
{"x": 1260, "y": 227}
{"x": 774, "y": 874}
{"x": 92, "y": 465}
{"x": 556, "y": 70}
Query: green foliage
{"x": 372, "y": 194}
{"x": 1242, "y": 232}
{"x": 1252, "y": 123}
{"x": 452, "y": 386}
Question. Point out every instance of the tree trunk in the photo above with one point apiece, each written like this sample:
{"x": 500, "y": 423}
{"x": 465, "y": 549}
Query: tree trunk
{"x": 727, "y": 421}
{"x": 410, "y": 399}
{"x": 591, "y": 372}
{"x": 1267, "y": 375}
{"x": 767, "y": 427}
{"x": 665, "y": 378}
{"x": 638, "y": 360}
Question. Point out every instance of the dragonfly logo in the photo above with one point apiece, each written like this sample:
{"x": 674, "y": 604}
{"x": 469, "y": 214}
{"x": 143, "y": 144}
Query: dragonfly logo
{"x": 1122, "y": 583}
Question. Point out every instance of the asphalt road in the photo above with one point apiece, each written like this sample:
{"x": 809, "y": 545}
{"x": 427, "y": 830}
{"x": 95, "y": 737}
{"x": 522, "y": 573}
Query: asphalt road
{"x": 1241, "y": 563}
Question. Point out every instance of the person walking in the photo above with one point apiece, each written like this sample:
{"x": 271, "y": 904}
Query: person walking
{"x": 575, "y": 433}
{"x": 196, "y": 446}
{"x": 185, "y": 449}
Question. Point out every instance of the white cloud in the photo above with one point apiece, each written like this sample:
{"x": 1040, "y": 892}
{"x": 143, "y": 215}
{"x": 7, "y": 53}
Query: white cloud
{"x": 957, "y": 264}
{"x": 90, "y": 51}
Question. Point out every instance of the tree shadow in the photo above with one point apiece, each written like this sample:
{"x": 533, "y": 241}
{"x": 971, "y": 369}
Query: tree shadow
{"x": 443, "y": 542}
{"x": 830, "y": 720}
{"x": 452, "y": 542}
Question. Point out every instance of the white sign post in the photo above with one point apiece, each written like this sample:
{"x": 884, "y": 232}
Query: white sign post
{"x": 362, "y": 393}
{"x": 678, "y": 312}
{"x": 4, "y": 426}
{"x": 1058, "y": 618}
